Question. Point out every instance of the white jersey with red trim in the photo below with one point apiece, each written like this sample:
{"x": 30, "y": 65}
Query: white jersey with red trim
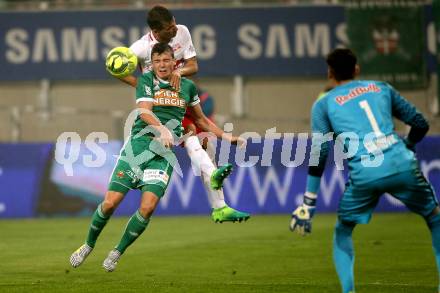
{"x": 182, "y": 46}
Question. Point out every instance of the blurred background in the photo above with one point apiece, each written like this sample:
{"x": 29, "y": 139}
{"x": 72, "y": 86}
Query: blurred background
{"x": 262, "y": 62}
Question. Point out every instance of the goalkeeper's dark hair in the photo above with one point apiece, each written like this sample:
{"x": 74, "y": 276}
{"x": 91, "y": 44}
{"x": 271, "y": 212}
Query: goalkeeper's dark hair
{"x": 342, "y": 63}
{"x": 157, "y": 16}
{"x": 160, "y": 48}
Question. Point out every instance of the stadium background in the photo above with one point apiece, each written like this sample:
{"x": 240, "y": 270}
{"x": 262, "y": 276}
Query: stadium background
{"x": 263, "y": 62}
{"x": 264, "y": 66}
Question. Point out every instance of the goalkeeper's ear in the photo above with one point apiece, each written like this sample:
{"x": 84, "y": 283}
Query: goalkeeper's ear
{"x": 357, "y": 70}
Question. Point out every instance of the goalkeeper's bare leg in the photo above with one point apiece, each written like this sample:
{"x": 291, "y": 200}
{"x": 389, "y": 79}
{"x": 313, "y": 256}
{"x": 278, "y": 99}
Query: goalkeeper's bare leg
{"x": 99, "y": 220}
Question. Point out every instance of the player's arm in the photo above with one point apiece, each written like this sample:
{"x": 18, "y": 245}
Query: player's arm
{"x": 202, "y": 122}
{"x": 130, "y": 80}
{"x": 190, "y": 68}
{"x": 147, "y": 115}
{"x": 321, "y": 128}
{"x": 190, "y": 60}
{"x": 140, "y": 49}
{"x": 408, "y": 113}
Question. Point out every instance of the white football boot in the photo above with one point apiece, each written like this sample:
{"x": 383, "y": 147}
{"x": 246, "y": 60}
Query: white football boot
{"x": 80, "y": 255}
{"x": 111, "y": 261}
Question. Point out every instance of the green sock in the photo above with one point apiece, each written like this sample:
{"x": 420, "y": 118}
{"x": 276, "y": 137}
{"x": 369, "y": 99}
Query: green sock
{"x": 135, "y": 226}
{"x": 98, "y": 223}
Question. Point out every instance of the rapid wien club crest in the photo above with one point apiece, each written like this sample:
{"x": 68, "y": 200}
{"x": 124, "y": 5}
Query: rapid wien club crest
{"x": 120, "y": 174}
{"x": 385, "y": 34}
{"x": 386, "y": 38}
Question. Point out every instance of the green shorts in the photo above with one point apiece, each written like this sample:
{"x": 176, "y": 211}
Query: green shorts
{"x": 142, "y": 164}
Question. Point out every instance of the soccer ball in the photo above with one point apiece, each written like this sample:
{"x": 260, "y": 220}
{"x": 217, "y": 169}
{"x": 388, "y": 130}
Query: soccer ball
{"x": 121, "y": 62}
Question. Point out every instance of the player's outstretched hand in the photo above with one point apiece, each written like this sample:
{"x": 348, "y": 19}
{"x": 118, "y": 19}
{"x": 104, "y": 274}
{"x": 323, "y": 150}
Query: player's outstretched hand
{"x": 239, "y": 141}
{"x": 301, "y": 221}
{"x": 175, "y": 79}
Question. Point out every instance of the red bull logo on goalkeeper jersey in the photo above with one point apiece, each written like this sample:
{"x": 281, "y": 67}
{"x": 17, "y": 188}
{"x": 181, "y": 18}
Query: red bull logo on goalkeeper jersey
{"x": 356, "y": 92}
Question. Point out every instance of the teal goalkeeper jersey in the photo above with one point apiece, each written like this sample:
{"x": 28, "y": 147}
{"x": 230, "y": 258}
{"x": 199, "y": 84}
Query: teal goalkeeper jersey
{"x": 363, "y": 111}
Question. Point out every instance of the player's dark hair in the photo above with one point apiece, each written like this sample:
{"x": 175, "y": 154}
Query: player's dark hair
{"x": 160, "y": 48}
{"x": 342, "y": 63}
{"x": 157, "y": 16}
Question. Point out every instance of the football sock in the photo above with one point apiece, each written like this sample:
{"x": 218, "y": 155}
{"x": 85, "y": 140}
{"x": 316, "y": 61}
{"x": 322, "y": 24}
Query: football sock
{"x": 204, "y": 163}
{"x": 135, "y": 226}
{"x": 199, "y": 158}
{"x": 98, "y": 223}
{"x": 343, "y": 255}
{"x": 434, "y": 226}
{"x": 216, "y": 197}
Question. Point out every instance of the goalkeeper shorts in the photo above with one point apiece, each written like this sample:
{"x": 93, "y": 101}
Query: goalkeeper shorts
{"x": 410, "y": 187}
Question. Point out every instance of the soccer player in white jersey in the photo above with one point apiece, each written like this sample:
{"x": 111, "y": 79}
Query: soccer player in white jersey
{"x": 165, "y": 30}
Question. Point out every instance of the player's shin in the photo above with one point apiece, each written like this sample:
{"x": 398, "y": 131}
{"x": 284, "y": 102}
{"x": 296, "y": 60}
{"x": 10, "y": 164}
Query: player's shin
{"x": 99, "y": 220}
{"x": 135, "y": 227}
{"x": 343, "y": 255}
{"x": 216, "y": 197}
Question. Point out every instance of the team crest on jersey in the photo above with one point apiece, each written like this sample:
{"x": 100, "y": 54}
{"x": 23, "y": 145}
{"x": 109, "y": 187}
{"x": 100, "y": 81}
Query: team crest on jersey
{"x": 120, "y": 174}
{"x": 167, "y": 97}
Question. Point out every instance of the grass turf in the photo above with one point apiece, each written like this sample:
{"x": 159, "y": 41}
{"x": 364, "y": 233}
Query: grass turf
{"x": 192, "y": 254}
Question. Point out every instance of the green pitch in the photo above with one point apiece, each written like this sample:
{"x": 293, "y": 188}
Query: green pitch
{"x": 192, "y": 254}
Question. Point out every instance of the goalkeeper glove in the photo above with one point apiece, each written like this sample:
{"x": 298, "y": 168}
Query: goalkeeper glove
{"x": 301, "y": 221}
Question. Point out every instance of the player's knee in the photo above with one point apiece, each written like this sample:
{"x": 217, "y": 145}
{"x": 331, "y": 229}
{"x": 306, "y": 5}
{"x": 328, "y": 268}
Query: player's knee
{"x": 111, "y": 202}
{"x": 344, "y": 227}
{"x": 433, "y": 219}
{"x": 109, "y": 206}
{"x": 147, "y": 209}
{"x": 435, "y": 211}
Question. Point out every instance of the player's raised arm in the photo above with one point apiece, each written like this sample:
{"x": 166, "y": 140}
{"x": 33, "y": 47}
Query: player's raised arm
{"x": 190, "y": 66}
{"x": 121, "y": 62}
{"x": 130, "y": 80}
{"x": 207, "y": 125}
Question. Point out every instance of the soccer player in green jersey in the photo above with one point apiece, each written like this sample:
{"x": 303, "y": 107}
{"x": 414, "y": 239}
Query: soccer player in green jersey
{"x": 163, "y": 29}
{"x": 146, "y": 161}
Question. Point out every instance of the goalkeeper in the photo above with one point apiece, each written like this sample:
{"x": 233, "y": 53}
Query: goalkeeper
{"x": 146, "y": 160}
{"x": 366, "y": 108}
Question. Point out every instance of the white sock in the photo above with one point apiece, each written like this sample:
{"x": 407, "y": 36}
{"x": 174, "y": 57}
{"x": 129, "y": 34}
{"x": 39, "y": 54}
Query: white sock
{"x": 203, "y": 163}
{"x": 216, "y": 197}
{"x": 199, "y": 158}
